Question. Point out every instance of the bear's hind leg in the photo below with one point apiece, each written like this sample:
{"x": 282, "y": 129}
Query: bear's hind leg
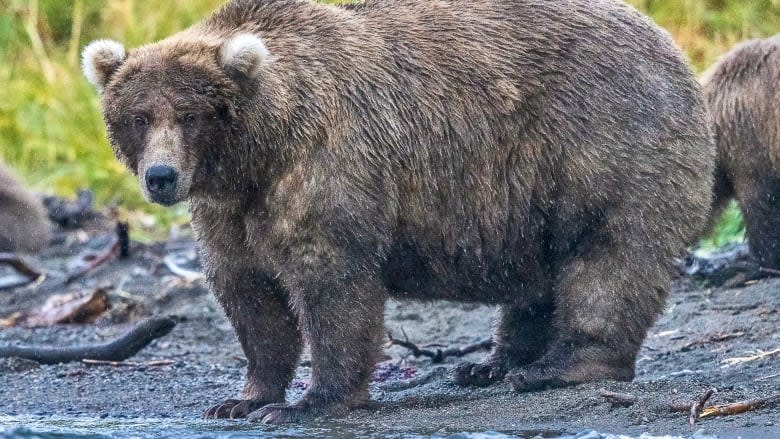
{"x": 522, "y": 336}
{"x": 760, "y": 203}
{"x": 606, "y": 299}
{"x": 268, "y": 331}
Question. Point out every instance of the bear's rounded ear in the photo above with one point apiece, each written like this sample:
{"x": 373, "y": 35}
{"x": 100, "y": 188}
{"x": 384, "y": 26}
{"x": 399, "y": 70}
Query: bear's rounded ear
{"x": 243, "y": 54}
{"x": 101, "y": 59}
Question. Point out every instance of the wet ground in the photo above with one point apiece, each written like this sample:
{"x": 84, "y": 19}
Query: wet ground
{"x": 724, "y": 337}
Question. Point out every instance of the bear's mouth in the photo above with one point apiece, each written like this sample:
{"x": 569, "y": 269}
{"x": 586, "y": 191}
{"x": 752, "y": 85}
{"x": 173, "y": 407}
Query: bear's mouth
{"x": 166, "y": 200}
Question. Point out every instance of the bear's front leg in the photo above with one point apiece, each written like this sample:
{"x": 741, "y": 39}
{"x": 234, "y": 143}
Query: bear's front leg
{"x": 268, "y": 331}
{"x": 341, "y": 315}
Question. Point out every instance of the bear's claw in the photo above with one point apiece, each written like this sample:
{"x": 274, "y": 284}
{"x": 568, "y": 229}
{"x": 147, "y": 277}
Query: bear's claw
{"x": 282, "y": 414}
{"x": 233, "y": 409}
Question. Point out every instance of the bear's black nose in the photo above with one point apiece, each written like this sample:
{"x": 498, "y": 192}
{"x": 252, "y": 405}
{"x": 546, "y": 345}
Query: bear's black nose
{"x": 161, "y": 180}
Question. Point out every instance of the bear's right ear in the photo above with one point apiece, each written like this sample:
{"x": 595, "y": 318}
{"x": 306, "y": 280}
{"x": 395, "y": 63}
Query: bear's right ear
{"x": 100, "y": 60}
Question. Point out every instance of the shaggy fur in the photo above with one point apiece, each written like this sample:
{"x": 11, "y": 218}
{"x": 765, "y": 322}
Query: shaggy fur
{"x": 548, "y": 157}
{"x": 23, "y": 223}
{"x": 743, "y": 95}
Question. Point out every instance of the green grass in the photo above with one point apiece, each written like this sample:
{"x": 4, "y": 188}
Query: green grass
{"x": 50, "y": 124}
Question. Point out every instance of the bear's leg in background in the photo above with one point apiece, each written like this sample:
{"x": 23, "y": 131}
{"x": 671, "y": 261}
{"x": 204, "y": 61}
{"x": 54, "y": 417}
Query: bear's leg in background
{"x": 268, "y": 331}
{"x": 760, "y": 203}
{"x": 723, "y": 193}
{"x": 341, "y": 316}
{"x": 522, "y": 336}
{"x": 606, "y": 299}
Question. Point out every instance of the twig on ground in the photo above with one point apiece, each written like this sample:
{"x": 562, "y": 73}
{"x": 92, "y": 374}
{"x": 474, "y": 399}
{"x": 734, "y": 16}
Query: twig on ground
{"x": 740, "y": 406}
{"x": 768, "y": 270}
{"x": 155, "y": 363}
{"x": 619, "y": 399}
{"x": 19, "y": 265}
{"x": 438, "y": 355}
{"x": 679, "y": 407}
{"x": 119, "y": 246}
{"x": 106, "y": 255}
{"x": 119, "y": 349}
{"x": 768, "y": 377}
{"x": 698, "y": 405}
{"x": 715, "y": 338}
{"x": 748, "y": 358}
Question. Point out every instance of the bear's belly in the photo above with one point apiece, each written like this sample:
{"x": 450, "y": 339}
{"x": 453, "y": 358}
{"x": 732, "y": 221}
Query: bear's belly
{"x": 408, "y": 274}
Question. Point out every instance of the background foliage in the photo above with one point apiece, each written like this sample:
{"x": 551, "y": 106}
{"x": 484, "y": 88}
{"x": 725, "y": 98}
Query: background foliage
{"x": 50, "y": 124}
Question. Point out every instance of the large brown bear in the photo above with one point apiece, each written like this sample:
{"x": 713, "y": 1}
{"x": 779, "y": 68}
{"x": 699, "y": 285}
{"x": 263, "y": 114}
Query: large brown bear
{"x": 548, "y": 157}
{"x": 743, "y": 94}
{"x": 23, "y": 223}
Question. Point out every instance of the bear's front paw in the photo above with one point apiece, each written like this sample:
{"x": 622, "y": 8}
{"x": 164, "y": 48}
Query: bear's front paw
{"x": 233, "y": 409}
{"x": 295, "y": 413}
{"x": 478, "y": 374}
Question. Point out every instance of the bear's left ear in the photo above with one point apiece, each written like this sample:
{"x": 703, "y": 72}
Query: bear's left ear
{"x": 101, "y": 59}
{"x": 244, "y": 54}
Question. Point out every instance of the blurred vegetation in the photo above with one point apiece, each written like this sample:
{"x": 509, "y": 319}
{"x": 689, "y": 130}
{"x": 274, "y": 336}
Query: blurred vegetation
{"x": 50, "y": 124}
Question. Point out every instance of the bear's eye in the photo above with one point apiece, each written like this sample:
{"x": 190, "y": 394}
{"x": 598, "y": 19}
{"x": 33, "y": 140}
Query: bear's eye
{"x": 140, "y": 121}
{"x": 189, "y": 119}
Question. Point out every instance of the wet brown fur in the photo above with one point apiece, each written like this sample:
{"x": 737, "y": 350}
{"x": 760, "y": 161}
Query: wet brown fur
{"x": 743, "y": 94}
{"x": 548, "y": 157}
{"x": 23, "y": 223}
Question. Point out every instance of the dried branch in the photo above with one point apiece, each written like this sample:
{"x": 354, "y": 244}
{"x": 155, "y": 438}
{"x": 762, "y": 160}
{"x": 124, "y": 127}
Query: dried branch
{"x": 119, "y": 349}
{"x": 438, "y": 355}
{"x": 759, "y": 354}
{"x": 99, "y": 260}
{"x": 619, "y": 399}
{"x": 698, "y": 406}
{"x": 771, "y": 271}
{"x": 715, "y": 338}
{"x": 19, "y": 265}
{"x": 155, "y": 363}
{"x": 740, "y": 406}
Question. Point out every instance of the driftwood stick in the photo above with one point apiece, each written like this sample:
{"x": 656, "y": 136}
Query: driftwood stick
{"x": 106, "y": 255}
{"x": 19, "y": 265}
{"x": 768, "y": 270}
{"x": 119, "y": 349}
{"x": 615, "y": 398}
{"x": 698, "y": 405}
{"x": 155, "y": 363}
{"x": 740, "y": 406}
{"x": 438, "y": 355}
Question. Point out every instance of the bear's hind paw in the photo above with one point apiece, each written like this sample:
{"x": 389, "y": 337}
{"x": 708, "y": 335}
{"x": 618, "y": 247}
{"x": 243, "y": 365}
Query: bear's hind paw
{"x": 478, "y": 374}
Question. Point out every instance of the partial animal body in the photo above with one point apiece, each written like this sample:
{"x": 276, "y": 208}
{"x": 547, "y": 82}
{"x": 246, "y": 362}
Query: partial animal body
{"x": 23, "y": 223}
{"x": 548, "y": 157}
{"x": 743, "y": 93}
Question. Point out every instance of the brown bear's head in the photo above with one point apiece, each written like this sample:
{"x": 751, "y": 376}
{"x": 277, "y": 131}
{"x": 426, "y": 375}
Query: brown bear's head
{"x": 170, "y": 108}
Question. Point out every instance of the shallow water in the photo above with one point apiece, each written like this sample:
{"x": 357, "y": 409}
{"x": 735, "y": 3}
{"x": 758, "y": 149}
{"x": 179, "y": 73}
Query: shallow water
{"x": 90, "y": 428}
